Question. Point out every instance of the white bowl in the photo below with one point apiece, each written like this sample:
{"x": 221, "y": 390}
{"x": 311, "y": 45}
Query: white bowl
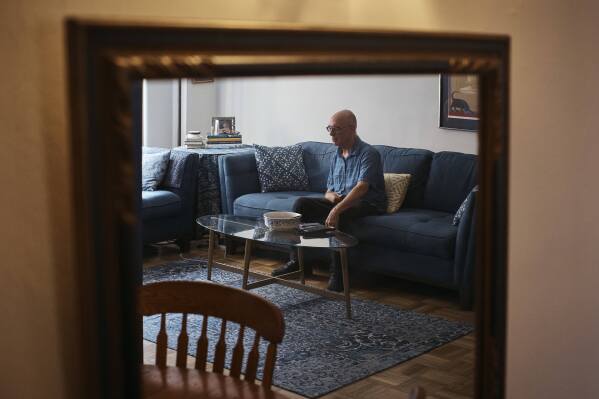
{"x": 282, "y": 221}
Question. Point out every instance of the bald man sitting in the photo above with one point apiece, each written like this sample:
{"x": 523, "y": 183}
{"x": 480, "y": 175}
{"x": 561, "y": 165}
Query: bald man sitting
{"x": 355, "y": 188}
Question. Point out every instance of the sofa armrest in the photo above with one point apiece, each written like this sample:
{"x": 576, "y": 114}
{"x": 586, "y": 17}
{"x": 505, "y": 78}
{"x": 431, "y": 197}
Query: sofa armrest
{"x": 465, "y": 253}
{"x": 187, "y": 191}
{"x": 238, "y": 176}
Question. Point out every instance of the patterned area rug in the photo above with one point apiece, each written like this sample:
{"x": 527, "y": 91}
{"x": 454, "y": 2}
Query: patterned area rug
{"x": 322, "y": 350}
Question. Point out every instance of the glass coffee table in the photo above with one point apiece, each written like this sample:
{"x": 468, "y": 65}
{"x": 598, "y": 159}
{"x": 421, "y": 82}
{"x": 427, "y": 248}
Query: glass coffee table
{"x": 253, "y": 230}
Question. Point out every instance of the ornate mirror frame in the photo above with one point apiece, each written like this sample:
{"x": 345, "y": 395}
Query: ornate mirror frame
{"x": 106, "y": 61}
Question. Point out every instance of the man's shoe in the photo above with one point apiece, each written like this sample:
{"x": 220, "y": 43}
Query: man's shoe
{"x": 289, "y": 267}
{"x": 335, "y": 279}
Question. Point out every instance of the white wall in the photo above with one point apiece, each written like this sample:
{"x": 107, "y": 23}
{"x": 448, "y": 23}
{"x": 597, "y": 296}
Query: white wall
{"x": 160, "y": 113}
{"x": 198, "y": 106}
{"x": 401, "y": 111}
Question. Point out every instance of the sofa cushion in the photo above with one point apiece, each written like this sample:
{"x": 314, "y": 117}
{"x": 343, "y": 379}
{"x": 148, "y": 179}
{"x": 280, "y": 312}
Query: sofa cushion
{"x": 256, "y": 204}
{"x": 421, "y": 231}
{"x": 451, "y": 178}
{"x": 153, "y": 169}
{"x": 413, "y": 161}
{"x": 318, "y": 158}
{"x": 281, "y": 168}
{"x": 159, "y": 203}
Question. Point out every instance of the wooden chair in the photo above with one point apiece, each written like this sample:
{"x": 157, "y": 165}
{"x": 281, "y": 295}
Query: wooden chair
{"x": 417, "y": 393}
{"x": 222, "y": 302}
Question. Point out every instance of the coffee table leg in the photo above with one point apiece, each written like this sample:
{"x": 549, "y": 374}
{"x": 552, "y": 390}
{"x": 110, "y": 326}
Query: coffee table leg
{"x": 246, "y": 262}
{"x": 211, "y": 238}
{"x": 300, "y": 259}
{"x": 345, "y": 274}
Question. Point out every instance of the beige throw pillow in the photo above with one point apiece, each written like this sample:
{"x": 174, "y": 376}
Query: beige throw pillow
{"x": 396, "y": 187}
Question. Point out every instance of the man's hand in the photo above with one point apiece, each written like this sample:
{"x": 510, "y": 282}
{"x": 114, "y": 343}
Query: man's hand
{"x": 333, "y": 197}
{"x": 333, "y": 218}
{"x": 343, "y": 203}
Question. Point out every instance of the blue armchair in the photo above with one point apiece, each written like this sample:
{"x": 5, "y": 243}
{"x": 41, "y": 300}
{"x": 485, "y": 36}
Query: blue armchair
{"x": 168, "y": 213}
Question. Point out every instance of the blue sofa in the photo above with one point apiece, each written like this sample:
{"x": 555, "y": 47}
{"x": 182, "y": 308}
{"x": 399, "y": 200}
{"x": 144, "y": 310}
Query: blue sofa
{"x": 168, "y": 213}
{"x": 419, "y": 242}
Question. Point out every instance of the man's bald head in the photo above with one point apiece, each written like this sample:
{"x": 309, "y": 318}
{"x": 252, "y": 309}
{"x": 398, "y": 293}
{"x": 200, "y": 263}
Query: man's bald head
{"x": 342, "y": 128}
{"x": 345, "y": 118}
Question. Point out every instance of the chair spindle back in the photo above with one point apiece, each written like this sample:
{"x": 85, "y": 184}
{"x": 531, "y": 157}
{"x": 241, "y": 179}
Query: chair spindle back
{"x": 217, "y": 301}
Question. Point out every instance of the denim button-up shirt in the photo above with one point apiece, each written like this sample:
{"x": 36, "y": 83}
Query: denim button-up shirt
{"x": 362, "y": 164}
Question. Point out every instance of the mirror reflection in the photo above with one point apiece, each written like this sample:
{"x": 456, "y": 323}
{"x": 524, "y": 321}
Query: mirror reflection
{"x": 384, "y": 167}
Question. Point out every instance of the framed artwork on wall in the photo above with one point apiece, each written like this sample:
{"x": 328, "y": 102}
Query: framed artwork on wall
{"x": 458, "y": 102}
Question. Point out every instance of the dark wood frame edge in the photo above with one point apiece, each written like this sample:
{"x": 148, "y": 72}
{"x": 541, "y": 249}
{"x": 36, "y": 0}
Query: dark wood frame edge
{"x": 104, "y": 59}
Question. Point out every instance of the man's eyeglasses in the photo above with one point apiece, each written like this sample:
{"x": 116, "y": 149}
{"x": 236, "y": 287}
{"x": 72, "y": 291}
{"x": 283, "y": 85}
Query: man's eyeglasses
{"x": 332, "y": 129}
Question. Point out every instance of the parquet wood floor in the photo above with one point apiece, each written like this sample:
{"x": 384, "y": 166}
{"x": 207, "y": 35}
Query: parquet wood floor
{"x": 445, "y": 373}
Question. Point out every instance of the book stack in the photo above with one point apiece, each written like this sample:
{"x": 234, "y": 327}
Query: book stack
{"x": 224, "y": 138}
{"x": 194, "y": 140}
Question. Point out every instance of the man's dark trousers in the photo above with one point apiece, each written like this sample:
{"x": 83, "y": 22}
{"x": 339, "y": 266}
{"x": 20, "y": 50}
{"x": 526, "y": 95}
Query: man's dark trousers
{"x": 316, "y": 210}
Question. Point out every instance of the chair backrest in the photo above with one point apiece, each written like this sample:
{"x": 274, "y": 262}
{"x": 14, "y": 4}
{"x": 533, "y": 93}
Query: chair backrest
{"x": 417, "y": 393}
{"x": 222, "y": 302}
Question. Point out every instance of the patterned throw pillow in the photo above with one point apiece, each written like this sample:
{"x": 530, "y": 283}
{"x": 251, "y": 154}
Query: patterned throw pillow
{"x": 458, "y": 215}
{"x": 281, "y": 168}
{"x": 153, "y": 169}
{"x": 396, "y": 188}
